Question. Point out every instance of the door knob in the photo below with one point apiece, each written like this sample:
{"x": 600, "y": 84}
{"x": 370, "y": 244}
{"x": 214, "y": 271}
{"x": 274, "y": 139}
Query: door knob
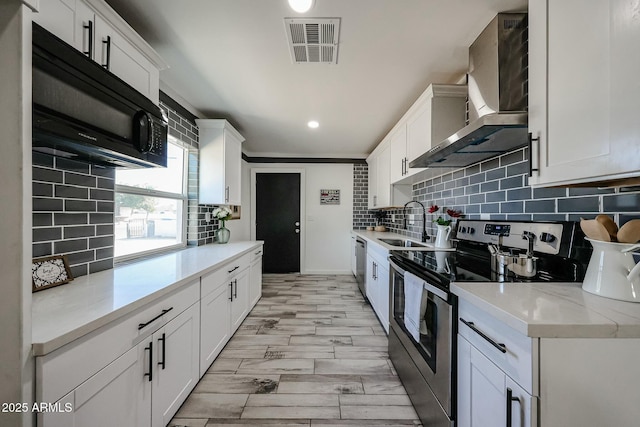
{"x": 297, "y": 224}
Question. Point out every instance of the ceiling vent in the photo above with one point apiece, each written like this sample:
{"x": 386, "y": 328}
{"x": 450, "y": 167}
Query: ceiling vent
{"x": 313, "y": 40}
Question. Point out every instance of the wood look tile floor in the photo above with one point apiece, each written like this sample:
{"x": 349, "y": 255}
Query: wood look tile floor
{"x": 311, "y": 353}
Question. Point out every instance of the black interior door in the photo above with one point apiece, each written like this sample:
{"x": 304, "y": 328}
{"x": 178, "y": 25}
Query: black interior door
{"x": 278, "y": 221}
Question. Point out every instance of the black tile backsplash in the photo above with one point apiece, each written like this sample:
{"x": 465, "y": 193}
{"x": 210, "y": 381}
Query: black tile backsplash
{"x": 497, "y": 189}
{"x": 622, "y": 203}
{"x": 69, "y": 206}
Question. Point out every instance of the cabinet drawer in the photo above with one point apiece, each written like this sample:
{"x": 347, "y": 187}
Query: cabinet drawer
{"x": 520, "y": 357}
{"x": 257, "y": 253}
{"x": 62, "y": 370}
{"x": 212, "y": 281}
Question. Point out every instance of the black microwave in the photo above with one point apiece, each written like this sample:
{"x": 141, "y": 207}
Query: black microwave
{"x": 84, "y": 112}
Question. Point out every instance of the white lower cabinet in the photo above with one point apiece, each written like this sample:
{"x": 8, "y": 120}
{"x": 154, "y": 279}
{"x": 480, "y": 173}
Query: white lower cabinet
{"x": 138, "y": 371}
{"x": 377, "y": 282}
{"x": 175, "y": 364}
{"x": 240, "y": 299}
{"x": 147, "y": 384}
{"x": 229, "y": 293}
{"x": 215, "y": 318}
{"x": 506, "y": 378}
{"x": 487, "y": 396}
{"x": 255, "y": 278}
{"x": 119, "y": 385}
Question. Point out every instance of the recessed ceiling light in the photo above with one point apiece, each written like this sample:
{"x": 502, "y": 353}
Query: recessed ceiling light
{"x": 301, "y": 6}
{"x": 313, "y": 124}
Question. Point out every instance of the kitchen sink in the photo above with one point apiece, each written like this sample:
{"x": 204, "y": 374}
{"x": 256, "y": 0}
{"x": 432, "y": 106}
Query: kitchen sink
{"x": 403, "y": 243}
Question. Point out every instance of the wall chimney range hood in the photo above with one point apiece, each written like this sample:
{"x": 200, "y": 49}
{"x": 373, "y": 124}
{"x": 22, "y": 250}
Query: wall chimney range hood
{"x": 497, "y": 98}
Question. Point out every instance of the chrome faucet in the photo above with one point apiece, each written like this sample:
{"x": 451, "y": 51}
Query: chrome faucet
{"x": 425, "y": 237}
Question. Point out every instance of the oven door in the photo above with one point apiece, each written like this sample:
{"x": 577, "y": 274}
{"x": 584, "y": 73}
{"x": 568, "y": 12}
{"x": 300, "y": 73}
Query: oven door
{"x": 432, "y": 355}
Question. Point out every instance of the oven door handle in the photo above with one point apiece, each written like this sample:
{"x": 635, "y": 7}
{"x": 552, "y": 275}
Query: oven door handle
{"x": 426, "y": 286}
{"x": 438, "y": 292}
{"x": 396, "y": 267}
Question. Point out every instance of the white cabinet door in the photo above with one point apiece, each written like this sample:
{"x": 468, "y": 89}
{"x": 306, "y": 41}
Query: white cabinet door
{"x": 119, "y": 394}
{"x": 240, "y": 302}
{"x": 485, "y": 393}
{"x": 220, "y": 163}
{"x": 370, "y": 284}
{"x": 59, "y": 18}
{"x": 586, "y": 121}
{"x": 120, "y": 57}
{"x": 384, "y": 177}
{"x": 176, "y": 364}
{"x": 215, "y": 316}
{"x": 232, "y": 168}
{"x": 372, "y": 161}
{"x": 255, "y": 289}
{"x": 399, "y": 167}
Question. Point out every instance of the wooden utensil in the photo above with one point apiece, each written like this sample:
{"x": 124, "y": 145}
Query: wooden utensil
{"x": 594, "y": 230}
{"x": 610, "y": 225}
{"x": 629, "y": 232}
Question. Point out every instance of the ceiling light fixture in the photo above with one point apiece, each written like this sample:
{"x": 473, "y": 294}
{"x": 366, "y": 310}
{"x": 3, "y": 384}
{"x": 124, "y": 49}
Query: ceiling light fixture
{"x": 313, "y": 124}
{"x": 301, "y": 6}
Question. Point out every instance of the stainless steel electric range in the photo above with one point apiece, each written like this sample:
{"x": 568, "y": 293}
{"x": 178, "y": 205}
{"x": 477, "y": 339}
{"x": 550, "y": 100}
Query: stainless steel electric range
{"x": 422, "y": 339}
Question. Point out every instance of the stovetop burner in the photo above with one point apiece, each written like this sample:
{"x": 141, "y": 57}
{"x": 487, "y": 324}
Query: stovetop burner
{"x": 558, "y": 248}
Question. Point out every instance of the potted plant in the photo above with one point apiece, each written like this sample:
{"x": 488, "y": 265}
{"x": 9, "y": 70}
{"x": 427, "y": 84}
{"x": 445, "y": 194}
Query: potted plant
{"x": 444, "y": 225}
{"x": 222, "y": 214}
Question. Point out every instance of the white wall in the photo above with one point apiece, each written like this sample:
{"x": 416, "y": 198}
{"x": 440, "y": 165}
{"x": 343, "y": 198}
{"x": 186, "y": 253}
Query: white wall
{"x": 325, "y": 229}
{"x": 241, "y": 228}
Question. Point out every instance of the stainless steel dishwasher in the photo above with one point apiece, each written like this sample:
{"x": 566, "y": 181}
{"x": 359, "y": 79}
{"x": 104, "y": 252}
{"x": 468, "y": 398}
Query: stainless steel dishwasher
{"x": 361, "y": 262}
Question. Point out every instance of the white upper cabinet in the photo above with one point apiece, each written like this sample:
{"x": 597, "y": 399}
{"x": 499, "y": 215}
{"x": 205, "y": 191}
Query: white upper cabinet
{"x": 382, "y": 194}
{"x": 584, "y": 94}
{"x": 220, "y": 162}
{"x": 399, "y": 166}
{"x": 437, "y": 114}
{"x": 93, "y": 28}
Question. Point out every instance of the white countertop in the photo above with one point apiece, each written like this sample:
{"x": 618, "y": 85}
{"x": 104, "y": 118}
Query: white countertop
{"x": 375, "y": 236}
{"x": 65, "y": 313}
{"x": 553, "y": 310}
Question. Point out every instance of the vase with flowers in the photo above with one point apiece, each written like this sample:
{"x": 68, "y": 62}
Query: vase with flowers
{"x": 444, "y": 225}
{"x": 222, "y": 214}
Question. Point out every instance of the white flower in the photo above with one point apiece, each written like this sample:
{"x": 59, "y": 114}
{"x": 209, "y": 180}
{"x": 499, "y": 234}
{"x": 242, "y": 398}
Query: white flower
{"x": 222, "y": 213}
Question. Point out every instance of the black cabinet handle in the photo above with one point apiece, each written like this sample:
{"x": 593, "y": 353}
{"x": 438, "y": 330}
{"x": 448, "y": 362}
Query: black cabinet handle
{"x": 107, "y": 65}
{"x": 510, "y": 400}
{"x": 164, "y": 354}
{"x": 235, "y": 293}
{"x": 150, "y": 373}
{"x": 531, "y": 139}
{"x": 499, "y": 346}
{"x": 89, "y": 52}
{"x": 231, "y": 290}
{"x": 144, "y": 325}
{"x": 233, "y": 269}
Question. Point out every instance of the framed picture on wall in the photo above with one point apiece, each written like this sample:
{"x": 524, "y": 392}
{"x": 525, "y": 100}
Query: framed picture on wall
{"x": 329, "y": 197}
{"x": 49, "y": 272}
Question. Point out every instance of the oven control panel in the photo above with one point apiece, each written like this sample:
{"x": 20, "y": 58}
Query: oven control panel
{"x": 546, "y": 236}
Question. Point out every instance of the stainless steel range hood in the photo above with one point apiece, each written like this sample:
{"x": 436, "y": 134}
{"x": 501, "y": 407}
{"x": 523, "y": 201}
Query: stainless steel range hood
{"x": 497, "y": 107}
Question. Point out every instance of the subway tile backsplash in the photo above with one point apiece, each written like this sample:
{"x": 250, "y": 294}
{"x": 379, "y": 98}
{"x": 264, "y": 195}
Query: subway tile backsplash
{"x": 497, "y": 189}
{"x": 73, "y": 205}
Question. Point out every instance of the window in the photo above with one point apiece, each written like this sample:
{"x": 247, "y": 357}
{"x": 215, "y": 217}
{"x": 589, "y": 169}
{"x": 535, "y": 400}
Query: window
{"x": 150, "y": 206}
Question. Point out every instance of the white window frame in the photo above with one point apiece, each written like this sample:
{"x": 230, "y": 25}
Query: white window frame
{"x": 181, "y": 198}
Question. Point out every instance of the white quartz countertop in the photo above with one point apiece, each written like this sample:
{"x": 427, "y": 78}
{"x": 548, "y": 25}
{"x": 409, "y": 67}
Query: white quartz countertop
{"x": 375, "y": 236}
{"x": 553, "y": 310}
{"x": 65, "y": 313}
